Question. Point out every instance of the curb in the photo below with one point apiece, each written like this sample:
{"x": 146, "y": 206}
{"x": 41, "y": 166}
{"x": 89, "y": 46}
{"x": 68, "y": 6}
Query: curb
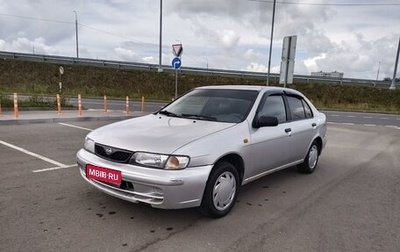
{"x": 57, "y": 120}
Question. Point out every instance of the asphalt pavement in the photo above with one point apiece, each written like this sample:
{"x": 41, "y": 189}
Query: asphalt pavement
{"x": 94, "y": 113}
{"x": 49, "y": 116}
{"x": 350, "y": 203}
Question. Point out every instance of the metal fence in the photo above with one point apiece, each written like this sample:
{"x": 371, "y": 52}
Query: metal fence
{"x": 189, "y": 70}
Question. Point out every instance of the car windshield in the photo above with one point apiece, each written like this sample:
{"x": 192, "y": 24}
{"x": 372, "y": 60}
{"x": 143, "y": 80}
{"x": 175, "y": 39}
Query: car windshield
{"x": 221, "y": 105}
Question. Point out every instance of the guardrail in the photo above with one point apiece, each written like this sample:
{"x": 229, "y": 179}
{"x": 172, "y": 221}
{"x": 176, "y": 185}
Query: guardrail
{"x": 187, "y": 70}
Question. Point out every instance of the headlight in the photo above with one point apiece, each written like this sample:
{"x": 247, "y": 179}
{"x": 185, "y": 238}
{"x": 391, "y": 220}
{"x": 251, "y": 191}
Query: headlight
{"x": 160, "y": 161}
{"x": 89, "y": 145}
{"x": 177, "y": 162}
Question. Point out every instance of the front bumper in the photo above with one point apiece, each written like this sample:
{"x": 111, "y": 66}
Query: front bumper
{"x": 168, "y": 189}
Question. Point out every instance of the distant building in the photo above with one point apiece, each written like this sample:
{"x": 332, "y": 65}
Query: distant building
{"x": 330, "y": 74}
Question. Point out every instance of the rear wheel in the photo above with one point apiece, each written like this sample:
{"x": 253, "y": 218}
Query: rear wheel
{"x": 221, "y": 190}
{"x": 311, "y": 160}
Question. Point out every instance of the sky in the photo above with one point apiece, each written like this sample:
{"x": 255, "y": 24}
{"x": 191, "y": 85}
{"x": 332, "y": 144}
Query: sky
{"x": 358, "y": 38}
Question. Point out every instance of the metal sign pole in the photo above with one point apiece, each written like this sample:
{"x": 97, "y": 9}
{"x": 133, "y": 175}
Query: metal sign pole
{"x": 177, "y": 50}
{"x": 270, "y": 43}
{"x": 393, "y": 85}
{"x": 288, "y": 60}
{"x": 176, "y": 83}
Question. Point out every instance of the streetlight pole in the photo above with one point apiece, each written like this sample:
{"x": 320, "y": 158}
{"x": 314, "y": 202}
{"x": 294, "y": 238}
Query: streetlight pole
{"x": 207, "y": 62}
{"x": 377, "y": 74}
{"x": 270, "y": 43}
{"x": 160, "y": 44}
{"x": 393, "y": 85}
{"x": 76, "y": 34}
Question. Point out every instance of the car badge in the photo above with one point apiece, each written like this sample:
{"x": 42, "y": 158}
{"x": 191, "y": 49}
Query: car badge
{"x": 109, "y": 150}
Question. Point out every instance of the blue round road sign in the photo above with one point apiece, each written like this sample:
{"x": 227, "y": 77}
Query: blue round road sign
{"x": 176, "y": 63}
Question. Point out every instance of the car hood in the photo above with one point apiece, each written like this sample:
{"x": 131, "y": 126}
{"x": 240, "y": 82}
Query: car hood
{"x": 155, "y": 133}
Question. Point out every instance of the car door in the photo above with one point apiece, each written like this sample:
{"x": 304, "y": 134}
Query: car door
{"x": 269, "y": 145}
{"x": 302, "y": 126}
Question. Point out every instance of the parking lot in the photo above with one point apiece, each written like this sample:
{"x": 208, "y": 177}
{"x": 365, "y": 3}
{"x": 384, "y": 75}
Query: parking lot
{"x": 350, "y": 203}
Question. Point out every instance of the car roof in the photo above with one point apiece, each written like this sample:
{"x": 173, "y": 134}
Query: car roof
{"x": 252, "y": 87}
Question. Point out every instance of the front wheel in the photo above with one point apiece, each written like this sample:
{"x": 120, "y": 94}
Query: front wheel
{"x": 221, "y": 190}
{"x": 311, "y": 160}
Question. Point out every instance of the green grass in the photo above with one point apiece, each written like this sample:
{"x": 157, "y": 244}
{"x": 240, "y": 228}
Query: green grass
{"x": 42, "y": 79}
{"x": 326, "y": 96}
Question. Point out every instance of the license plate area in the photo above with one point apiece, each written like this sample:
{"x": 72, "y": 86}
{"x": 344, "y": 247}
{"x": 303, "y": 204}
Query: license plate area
{"x": 103, "y": 174}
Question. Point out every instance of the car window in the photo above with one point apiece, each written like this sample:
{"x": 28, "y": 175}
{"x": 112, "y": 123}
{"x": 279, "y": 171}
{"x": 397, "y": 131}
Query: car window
{"x": 307, "y": 109}
{"x": 274, "y": 106}
{"x": 225, "y": 107}
{"x": 216, "y": 105}
{"x": 191, "y": 105}
{"x": 296, "y": 108}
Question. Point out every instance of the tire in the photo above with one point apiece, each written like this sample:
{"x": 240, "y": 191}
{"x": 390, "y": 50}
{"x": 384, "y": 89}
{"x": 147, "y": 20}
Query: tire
{"x": 221, "y": 190}
{"x": 311, "y": 161}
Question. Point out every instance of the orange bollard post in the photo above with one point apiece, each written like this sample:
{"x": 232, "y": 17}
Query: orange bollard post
{"x": 58, "y": 104}
{"x": 105, "y": 104}
{"x": 142, "y": 104}
{"x": 79, "y": 105}
{"x": 127, "y": 105}
{"x": 16, "y": 113}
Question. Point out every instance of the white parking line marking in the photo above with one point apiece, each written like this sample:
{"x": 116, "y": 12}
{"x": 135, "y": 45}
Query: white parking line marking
{"x": 392, "y": 126}
{"x": 350, "y": 116}
{"x": 33, "y": 154}
{"x": 100, "y": 110}
{"x": 367, "y": 125}
{"x": 74, "y": 126}
{"x": 54, "y": 168}
{"x": 367, "y": 117}
{"x": 336, "y": 115}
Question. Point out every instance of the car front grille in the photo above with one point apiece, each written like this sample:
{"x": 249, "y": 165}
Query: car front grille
{"x": 113, "y": 154}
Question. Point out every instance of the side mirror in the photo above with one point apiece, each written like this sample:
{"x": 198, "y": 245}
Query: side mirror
{"x": 265, "y": 121}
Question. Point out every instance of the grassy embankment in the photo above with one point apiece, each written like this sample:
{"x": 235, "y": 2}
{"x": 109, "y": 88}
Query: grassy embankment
{"x": 42, "y": 79}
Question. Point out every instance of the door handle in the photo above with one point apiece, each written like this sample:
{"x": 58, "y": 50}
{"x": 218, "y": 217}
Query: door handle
{"x": 287, "y": 130}
{"x": 314, "y": 125}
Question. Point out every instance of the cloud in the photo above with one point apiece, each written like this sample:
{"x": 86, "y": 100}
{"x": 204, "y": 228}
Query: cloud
{"x": 25, "y": 45}
{"x": 228, "y": 39}
{"x": 256, "y": 67}
{"x": 125, "y": 54}
{"x": 154, "y": 60}
{"x": 312, "y": 63}
{"x": 356, "y": 57}
{"x": 230, "y": 34}
{"x": 223, "y": 8}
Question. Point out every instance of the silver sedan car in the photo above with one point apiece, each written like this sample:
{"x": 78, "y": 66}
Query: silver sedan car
{"x": 199, "y": 149}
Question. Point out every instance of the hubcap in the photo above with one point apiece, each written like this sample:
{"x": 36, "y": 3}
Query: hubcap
{"x": 313, "y": 157}
{"x": 224, "y": 191}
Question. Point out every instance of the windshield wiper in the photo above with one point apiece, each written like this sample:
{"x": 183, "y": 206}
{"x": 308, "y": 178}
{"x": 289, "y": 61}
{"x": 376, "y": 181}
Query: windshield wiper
{"x": 201, "y": 117}
{"x": 167, "y": 113}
